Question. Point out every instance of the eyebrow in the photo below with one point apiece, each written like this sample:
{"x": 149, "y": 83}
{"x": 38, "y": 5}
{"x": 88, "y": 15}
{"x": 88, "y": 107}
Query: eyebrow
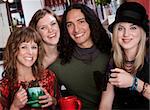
{"x": 81, "y": 19}
{"x": 77, "y": 20}
{"x": 52, "y": 21}
{"x": 129, "y": 25}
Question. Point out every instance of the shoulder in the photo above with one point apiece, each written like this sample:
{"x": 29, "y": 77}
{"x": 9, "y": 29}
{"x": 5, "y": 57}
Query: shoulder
{"x": 103, "y": 59}
{"x": 143, "y": 74}
{"x": 48, "y": 78}
{"x": 4, "y": 81}
{"x": 55, "y": 65}
{"x": 48, "y": 73}
{"x": 146, "y": 64}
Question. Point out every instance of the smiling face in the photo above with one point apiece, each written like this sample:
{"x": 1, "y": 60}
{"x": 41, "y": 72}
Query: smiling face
{"x": 129, "y": 36}
{"x": 27, "y": 54}
{"x": 49, "y": 29}
{"x": 78, "y": 28}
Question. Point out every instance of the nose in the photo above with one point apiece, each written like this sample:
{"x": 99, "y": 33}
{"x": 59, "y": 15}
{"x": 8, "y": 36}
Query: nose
{"x": 49, "y": 28}
{"x": 126, "y": 33}
{"x": 29, "y": 50}
{"x": 76, "y": 28}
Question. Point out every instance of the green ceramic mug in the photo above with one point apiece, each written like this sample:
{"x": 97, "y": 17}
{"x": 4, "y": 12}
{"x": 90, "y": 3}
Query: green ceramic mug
{"x": 33, "y": 96}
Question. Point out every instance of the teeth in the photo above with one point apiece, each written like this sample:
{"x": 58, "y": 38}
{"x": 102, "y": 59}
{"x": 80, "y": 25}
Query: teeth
{"x": 126, "y": 40}
{"x": 28, "y": 58}
{"x": 79, "y": 35}
{"x": 52, "y": 35}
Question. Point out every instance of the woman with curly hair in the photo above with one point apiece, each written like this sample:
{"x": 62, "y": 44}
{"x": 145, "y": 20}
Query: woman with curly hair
{"x": 23, "y": 69}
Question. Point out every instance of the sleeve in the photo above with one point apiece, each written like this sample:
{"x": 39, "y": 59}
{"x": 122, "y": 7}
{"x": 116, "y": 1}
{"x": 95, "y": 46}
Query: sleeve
{"x": 57, "y": 93}
{"x": 100, "y": 79}
{"x": 50, "y": 83}
{"x": 4, "y": 93}
{"x": 56, "y": 88}
{"x": 51, "y": 86}
{"x": 110, "y": 66}
{"x": 143, "y": 74}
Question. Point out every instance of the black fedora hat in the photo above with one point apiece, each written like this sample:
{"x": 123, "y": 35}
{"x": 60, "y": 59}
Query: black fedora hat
{"x": 131, "y": 12}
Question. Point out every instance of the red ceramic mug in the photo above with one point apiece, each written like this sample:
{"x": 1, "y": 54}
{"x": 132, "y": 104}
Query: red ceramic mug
{"x": 69, "y": 103}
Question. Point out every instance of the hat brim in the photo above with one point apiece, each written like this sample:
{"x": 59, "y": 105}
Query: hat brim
{"x": 128, "y": 20}
{"x": 110, "y": 27}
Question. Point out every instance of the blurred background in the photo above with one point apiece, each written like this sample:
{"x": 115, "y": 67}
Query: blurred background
{"x": 17, "y": 13}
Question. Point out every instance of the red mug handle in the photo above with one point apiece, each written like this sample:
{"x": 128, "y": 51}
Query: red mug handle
{"x": 79, "y": 104}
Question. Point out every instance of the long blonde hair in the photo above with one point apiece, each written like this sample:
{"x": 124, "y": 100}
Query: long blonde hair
{"x": 118, "y": 54}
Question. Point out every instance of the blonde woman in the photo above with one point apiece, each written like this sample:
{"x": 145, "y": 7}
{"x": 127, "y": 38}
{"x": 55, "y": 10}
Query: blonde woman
{"x": 128, "y": 70}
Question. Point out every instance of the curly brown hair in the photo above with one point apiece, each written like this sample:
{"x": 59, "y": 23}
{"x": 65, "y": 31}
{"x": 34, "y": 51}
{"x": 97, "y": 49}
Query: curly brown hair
{"x": 24, "y": 34}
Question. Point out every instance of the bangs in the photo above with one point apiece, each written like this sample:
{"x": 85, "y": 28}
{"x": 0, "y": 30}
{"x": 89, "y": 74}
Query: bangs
{"x": 28, "y": 35}
{"x": 31, "y": 37}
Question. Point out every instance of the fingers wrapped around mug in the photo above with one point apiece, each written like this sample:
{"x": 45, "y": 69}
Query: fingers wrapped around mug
{"x": 120, "y": 78}
{"x": 47, "y": 100}
{"x": 113, "y": 79}
{"x": 20, "y": 98}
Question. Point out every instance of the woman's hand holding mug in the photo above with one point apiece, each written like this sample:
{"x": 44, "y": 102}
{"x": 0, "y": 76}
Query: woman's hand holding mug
{"x": 120, "y": 78}
{"x": 20, "y": 99}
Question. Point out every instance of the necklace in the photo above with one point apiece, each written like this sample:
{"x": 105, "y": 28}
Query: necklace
{"x": 129, "y": 62}
{"x": 27, "y": 84}
{"x": 128, "y": 65}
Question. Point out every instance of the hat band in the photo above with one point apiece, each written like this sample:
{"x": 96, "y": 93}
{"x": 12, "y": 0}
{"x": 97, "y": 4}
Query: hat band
{"x": 131, "y": 14}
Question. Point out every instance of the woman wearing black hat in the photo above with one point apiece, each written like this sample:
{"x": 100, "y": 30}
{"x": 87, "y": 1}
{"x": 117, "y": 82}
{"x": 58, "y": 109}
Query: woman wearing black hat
{"x": 128, "y": 70}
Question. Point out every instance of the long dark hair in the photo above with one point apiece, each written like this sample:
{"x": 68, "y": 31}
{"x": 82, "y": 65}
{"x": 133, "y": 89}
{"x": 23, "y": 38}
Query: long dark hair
{"x": 99, "y": 35}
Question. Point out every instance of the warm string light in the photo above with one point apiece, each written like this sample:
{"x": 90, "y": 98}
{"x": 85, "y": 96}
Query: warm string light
{"x": 10, "y": 1}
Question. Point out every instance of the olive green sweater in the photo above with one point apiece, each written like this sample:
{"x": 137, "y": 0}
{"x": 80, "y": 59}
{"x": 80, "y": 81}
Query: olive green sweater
{"x": 77, "y": 77}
